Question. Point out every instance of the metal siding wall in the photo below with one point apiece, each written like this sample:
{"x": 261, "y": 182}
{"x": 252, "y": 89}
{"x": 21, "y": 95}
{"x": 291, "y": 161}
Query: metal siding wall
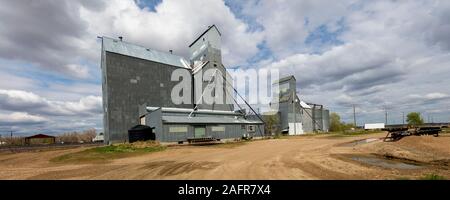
{"x": 124, "y": 97}
{"x": 153, "y": 119}
{"x": 307, "y": 121}
{"x": 204, "y": 105}
{"x": 175, "y": 137}
{"x": 104, "y": 97}
{"x": 217, "y": 134}
{"x": 284, "y": 112}
{"x": 326, "y": 120}
{"x": 318, "y": 118}
{"x": 231, "y": 131}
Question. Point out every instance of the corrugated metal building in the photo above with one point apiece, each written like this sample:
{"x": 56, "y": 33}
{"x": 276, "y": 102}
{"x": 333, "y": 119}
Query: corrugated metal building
{"x": 296, "y": 116}
{"x": 133, "y": 75}
{"x": 181, "y": 125}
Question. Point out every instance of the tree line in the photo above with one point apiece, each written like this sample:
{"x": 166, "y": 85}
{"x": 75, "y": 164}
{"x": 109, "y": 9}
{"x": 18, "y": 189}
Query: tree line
{"x": 413, "y": 119}
{"x": 68, "y": 137}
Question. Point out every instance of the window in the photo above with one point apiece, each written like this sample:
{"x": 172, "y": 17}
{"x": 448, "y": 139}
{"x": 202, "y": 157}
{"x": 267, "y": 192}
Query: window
{"x": 284, "y": 87}
{"x": 251, "y": 128}
{"x": 218, "y": 128}
{"x": 177, "y": 129}
{"x": 143, "y": 120}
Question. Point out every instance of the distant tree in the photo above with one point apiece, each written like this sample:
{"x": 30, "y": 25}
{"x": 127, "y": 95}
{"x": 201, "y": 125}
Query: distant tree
{"x": 75, "y": 137}
{"x": 335, "y": 122}
{"x": 414, "y": 119}
{"x": 271, "y": 123}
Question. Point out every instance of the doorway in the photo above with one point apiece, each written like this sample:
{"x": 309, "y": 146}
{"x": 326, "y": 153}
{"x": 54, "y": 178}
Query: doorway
{"x": 199, "y": 131}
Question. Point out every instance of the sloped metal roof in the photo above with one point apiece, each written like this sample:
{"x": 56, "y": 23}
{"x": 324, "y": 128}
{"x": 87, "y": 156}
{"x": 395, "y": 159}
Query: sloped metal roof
{"x": 201, "y": 35}
{"x": 304, "y": 105}
{"x": 207, "y": 120}
{"x": 124, "y": 48}
{"x": 285, "y": 79}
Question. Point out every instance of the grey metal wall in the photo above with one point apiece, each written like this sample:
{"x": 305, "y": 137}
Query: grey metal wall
{"x": 213, "y": 54}
{"x": 284, "y": 113}
{"x": 223, "y": 98}
{"x": 232, "y": 131}
{"x": 326, "y": 120}
{"x": 318, "y": 120}
{"x": 154, "y": 119}
{"x": 307, "y": 121}
{"x": 129, "y": 82}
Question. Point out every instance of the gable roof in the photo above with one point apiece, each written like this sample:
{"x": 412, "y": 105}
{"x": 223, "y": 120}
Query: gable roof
{"x": 128, "y": 49}
{"x": 285, "y": 79}
{"x": 40, "y": 136}
{"x": 209, "y": 28}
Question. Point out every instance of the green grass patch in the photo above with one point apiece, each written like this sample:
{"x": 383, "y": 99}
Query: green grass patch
{"x": 433, "y": 177}
{"x": 107, "y": 153}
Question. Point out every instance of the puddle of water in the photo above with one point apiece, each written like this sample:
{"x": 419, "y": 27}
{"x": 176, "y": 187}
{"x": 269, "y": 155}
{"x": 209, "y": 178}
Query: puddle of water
{"x": 358, "y": 142}
{"x": 380, "y": 162}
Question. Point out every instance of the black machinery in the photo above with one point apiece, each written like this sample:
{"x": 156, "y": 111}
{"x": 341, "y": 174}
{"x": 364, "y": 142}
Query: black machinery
{"x": 141, "y": 133}
{"x": 395, "y": 134}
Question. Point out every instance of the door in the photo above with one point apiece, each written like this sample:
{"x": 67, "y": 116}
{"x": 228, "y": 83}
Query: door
{"x": 199, "y": 132}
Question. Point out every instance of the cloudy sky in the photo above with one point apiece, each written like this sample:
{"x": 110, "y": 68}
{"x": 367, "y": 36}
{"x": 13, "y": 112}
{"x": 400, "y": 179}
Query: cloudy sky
{"x": 377, "y": 55}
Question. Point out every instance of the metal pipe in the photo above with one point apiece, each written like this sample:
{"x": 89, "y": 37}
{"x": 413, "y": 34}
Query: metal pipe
{"x": 199, "y": 111}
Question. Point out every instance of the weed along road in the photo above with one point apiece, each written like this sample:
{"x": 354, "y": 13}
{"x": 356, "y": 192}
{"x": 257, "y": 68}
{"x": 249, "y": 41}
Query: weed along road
{"x": 301, "y": 157}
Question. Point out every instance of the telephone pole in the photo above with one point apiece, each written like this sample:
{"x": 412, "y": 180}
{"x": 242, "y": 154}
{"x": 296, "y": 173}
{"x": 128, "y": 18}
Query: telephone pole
{"x": 354, "y": 115}
{"x": 385, "y": 115}
{"x": 403, "y": 113}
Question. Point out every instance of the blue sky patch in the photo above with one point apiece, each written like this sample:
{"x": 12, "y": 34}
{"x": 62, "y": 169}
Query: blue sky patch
{"x": 150, "y": 4}
{"x": 322, "y": 37}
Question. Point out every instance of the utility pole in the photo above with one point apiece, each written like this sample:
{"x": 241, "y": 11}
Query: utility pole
{"x": 354, "y": 115}
{"x": 403, "y": 113}
{"x": 386, "y": 115}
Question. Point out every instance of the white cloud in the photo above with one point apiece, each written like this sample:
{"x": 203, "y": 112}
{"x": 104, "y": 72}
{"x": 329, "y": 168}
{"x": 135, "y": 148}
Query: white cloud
{"x": 352, "y": 66}
{"x": 430, "y": 96}
{"x": 78, "y": 71}
{"x": 174, "y": 25}
{"x": 287, "y": 24}
{"x": 387, "y": 50}
{"x": 21, "y": 118}
{"x": 17, "y": 100}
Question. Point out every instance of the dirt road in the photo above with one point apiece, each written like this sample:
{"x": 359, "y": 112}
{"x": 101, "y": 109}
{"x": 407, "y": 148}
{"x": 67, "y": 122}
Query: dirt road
{"x": 307, "y": 157}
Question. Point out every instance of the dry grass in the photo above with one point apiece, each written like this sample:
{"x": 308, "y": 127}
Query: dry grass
{"x": 353, "y": 133}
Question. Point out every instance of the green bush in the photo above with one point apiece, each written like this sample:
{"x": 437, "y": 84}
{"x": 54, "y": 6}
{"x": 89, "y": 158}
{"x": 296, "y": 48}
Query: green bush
{"x": 433, "y": 177}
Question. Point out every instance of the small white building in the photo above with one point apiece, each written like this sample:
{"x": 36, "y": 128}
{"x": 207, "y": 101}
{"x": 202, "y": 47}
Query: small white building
{"x": 374, "y": 126}
{"x": 99, "y": 138}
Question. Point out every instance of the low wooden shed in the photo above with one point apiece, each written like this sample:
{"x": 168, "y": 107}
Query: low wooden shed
{"x": 40, "y": 139}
